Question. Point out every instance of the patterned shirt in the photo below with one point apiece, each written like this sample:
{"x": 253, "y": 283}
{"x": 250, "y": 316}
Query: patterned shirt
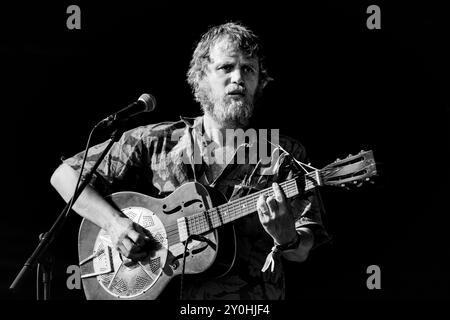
{"x": 157, "y": 158}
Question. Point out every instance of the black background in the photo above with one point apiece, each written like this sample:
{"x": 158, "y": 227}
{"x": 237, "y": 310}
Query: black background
{"x": 339, "y": 88}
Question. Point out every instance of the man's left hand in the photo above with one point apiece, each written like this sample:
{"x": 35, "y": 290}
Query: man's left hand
{"x": 276, "y": 217}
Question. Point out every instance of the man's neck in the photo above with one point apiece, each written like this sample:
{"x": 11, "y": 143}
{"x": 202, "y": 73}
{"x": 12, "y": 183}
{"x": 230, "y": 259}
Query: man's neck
{"x": 216, "y": 131}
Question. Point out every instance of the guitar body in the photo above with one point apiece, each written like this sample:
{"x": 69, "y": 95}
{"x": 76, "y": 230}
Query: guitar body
{"x": 105, "y": 275}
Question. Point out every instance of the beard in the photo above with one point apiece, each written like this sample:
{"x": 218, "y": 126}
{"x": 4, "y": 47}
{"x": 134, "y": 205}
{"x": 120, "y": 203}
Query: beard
{"x": 227, "y": 110}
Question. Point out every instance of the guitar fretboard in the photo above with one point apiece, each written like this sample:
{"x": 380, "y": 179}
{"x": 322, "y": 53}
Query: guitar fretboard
{"x": 215, "y": 217}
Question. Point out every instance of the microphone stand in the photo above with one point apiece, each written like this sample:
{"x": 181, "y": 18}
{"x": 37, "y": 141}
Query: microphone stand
{"x": 40, "y": 255}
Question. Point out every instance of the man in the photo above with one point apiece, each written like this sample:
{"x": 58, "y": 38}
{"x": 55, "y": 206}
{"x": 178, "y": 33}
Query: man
{"x": 227, "y": 74}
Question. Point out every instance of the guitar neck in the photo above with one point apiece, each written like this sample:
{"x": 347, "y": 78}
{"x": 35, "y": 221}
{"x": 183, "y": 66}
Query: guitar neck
{"x": 213, "y": 218}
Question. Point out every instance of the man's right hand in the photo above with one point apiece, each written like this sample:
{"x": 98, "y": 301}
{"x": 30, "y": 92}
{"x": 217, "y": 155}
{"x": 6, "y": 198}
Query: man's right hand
{"x": 129, "y": 238}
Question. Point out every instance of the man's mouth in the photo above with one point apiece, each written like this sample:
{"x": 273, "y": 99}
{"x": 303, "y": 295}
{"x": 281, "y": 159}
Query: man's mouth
{"x": 238, "y": 93}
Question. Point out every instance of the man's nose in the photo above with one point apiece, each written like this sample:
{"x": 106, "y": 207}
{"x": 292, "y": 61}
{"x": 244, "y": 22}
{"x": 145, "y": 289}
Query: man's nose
{"x": 236, "y": 76}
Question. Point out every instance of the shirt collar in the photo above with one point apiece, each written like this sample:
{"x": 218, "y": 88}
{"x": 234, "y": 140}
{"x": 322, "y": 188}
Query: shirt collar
{"x": 193, "y": 122}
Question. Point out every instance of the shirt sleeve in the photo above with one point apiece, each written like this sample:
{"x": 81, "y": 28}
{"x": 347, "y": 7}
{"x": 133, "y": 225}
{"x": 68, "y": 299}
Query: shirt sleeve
{"x": 120, "y": 169}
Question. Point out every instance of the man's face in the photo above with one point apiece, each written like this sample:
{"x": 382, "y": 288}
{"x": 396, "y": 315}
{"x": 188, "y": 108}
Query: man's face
{"x": 229, "y": 84}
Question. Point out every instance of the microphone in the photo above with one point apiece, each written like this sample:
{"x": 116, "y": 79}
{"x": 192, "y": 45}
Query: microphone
{"x": 145, "y": 103}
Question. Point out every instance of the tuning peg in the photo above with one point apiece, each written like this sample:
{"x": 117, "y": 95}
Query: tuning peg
{"x": 362, "y": 151}
{"x": 367, "y": 179}
{"x": 359, "y": 184}
{"x": 337, "y": 159}
{"x": 350, "y": 155}
{"x": 342, "y": 185}
{"x": 355, "y": 182}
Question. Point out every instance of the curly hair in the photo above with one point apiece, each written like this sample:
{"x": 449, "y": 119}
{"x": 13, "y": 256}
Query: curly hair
{"x": 243, "y": 38}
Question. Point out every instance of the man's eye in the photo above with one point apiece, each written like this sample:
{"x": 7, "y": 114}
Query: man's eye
{"x": 226, "y": 68}
{"x": 248, "y": 69}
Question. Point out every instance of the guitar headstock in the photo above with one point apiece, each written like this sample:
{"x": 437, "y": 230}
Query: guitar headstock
{"x": 353, "y": 170}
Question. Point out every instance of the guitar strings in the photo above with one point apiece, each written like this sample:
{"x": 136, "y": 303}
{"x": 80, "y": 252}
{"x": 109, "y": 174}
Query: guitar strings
{"x": 209, "y": 219}
{"x": 198, "y": 223}
{"x": 231, "y": 209}
{"x": 242, "y": 208}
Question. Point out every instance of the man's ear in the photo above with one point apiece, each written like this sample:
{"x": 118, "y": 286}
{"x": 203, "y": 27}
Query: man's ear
{"x": 265, "y": 81}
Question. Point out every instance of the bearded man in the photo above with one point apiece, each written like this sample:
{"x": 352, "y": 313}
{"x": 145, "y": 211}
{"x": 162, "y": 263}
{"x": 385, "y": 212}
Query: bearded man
{"x": 227, "y": 75}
